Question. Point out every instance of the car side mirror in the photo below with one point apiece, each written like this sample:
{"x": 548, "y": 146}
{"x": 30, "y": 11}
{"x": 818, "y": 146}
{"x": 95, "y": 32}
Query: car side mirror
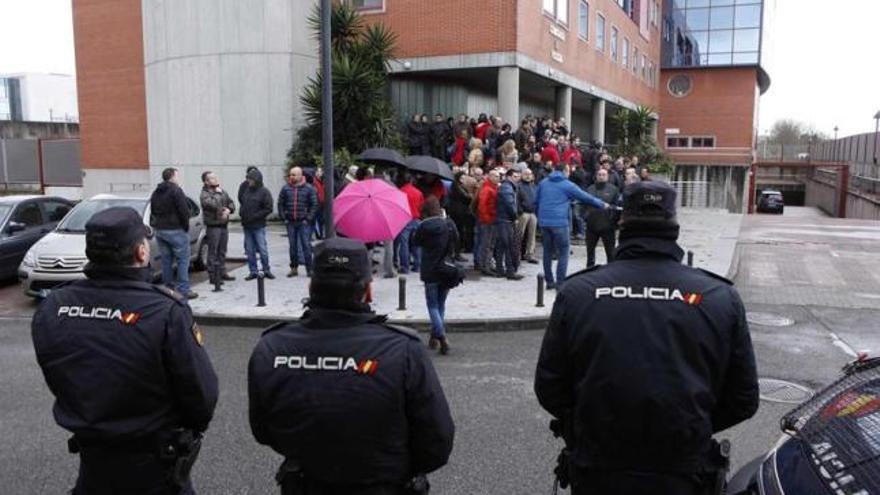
{"x": 14, "y": 227}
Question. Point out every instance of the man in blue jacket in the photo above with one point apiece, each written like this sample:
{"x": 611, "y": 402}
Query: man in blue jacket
{"x": 506, "y": 249}
{"x": 553, "y": 202}
{"x": 298, "y": 205}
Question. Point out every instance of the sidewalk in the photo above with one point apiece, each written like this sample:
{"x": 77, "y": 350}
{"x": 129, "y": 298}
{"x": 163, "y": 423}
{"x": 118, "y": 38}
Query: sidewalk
{"x": 478, "y": 304}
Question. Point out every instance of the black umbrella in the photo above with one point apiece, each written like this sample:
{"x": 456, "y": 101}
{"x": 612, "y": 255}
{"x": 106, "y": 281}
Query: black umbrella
{"x": 429, "y": 165}
{"x": 382, "y": 156}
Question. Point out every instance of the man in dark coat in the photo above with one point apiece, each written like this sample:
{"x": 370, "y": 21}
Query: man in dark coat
{"x": 353, "y": 404}
{"x": 297, "y": 206}
{"x": 601, "y": 223}
{"x": 256, "y": 205}
{"x": 644, "y": 359}
{"x": 441, "y": 137}
{"x": 169, "y": 215}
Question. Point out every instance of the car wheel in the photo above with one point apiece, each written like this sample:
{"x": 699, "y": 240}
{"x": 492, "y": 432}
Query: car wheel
{"x": 200, "y": 264}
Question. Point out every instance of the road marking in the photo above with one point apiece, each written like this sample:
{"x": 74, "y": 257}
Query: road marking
{"x": 837, "y": 341}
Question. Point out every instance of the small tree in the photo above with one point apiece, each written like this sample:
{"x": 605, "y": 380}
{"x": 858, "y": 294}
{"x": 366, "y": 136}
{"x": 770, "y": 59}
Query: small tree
{"x": 786, "y": 132}
{"x": 633, "y": 129}
{"x": 362, "y": 113}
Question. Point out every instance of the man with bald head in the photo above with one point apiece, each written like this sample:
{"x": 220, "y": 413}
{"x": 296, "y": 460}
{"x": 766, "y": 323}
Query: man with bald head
{"x": 297, "y": 206}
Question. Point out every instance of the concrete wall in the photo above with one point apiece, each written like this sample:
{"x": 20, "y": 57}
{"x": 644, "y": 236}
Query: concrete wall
{"x": 824, "y": 196}
{"x": 223, "y": 79}
{"x": 38, "y": 130}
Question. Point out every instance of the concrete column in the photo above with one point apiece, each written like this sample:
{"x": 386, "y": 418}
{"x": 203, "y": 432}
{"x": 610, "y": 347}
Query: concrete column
{"x": 508, "y": 95}
{"x": 599, "y": 120}
{"x": 563, "y": 104}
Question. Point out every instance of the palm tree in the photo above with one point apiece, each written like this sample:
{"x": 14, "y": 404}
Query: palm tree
{"x": 363, "y": 116}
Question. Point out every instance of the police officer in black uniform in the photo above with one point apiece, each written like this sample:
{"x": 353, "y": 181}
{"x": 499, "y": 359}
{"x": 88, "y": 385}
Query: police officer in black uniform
{"x": 125, "y": 362}
{"x": 353, "y": 404}
{"x": 645, "y": 359}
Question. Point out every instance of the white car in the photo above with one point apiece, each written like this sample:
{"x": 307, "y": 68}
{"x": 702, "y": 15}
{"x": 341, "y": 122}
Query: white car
{"x": 61, "y": 255}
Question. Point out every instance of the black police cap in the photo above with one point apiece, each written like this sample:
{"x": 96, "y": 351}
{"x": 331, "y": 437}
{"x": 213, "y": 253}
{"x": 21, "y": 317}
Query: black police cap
{"x": 115, "y": 228}
{"x": 649, "y": 199}
{"x": 341, "y": 256}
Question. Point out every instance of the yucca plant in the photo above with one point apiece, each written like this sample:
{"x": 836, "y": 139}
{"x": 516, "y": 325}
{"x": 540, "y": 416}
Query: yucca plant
{"x": 363, "y": 116}
{"x": 632, "y": 129}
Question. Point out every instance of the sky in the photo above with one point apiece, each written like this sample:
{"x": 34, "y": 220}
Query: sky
{"x": 822, "y": 60}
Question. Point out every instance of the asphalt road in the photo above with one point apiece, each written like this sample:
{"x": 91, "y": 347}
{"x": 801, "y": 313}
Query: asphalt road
{"x": 502, "y": 442}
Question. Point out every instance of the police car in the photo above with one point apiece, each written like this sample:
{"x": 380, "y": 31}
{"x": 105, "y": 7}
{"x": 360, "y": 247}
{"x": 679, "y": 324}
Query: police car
{"x": 61, "y": 255}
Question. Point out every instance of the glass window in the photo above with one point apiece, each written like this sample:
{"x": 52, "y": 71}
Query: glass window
{"x": 600, "y": 33}
{"x": 746, "y": 40}
{"x": 677, "y": 142}
{"x": 562, "y": 11}
{"x": 697, "y": 19}
{"x": 748, "y": 16}
{"x": 697, "y": 3}
{"x": 3, "y": 94}
{"x": 700, "y": 39}
{"x": 722, "y": 2}
{"x": 746, "y": 58}
{"x": 721, "y": 18}
{"x": 583, "y": 20}
{"x": 703, "y": 142}
{"x": 368, "y": 4}
{"x": 29, "y": 214}
{"x": 720, "y": 59}
{"x": 55, "y": 211}
{"x": 81, "y": 213}
{"x": 720, "y": 41}
{"x": 635, "y": 60}
{"x": 614, "y": 35}
{"x": 550, "y": 7}
{"x": 644, "y": 66}
{"x": 625, "y": 53}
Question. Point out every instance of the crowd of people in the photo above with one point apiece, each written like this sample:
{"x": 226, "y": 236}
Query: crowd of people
{"x": 509, "y": 188}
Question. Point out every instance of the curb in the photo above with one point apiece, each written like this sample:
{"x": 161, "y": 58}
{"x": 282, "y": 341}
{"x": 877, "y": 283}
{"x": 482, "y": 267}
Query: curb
{"x": 453, "y": 326}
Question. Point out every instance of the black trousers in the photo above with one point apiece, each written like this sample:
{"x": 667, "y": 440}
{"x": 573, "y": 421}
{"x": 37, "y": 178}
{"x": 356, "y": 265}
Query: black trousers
{"x": 217, "y": 239}
{"x": 635, "y": 483}
{"x": 113, "y": 472}
{"x": 506, "y": 249}
{"x": 607, "y": 242}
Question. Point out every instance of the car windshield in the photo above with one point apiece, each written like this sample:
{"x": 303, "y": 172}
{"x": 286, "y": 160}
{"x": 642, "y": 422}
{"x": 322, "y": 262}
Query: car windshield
{"x": 4, "y": 210}
{"x": 76, "y": 220}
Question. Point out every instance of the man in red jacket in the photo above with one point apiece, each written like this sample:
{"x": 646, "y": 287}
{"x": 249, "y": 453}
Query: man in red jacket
{"x": 409, "y": 259}
{"x": 573, "y": 155}
{"x": 487, "y": 207}
{"x": 551, "y": 152}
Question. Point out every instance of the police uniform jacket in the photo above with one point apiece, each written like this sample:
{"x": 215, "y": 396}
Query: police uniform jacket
{"x": 650, "y": 358}
{"x": 353, "y": 401}
{"x": 123, "y": 358}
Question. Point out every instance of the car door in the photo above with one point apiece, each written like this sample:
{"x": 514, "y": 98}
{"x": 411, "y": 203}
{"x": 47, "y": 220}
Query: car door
{"x": 27, "y": 216}
{"x": 196, "y": 224}
{"x": 54, "y": 210}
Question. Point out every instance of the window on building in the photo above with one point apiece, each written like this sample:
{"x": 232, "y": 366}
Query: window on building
{"x": 557, "y": 9}
{"x": 627, "y": 6}
{"x": 636, "y": 60}
{"x": 625, "y": 59}
{"x": 584, "y": 20}
{"x": 703, "y": 142}
{"x": 600, "y": 32}
{"x": 677, "y": 142}
{"x": 368, "y": 4}
{"x": 614, "y": 36}
{"x": 3, "y": 94}
{"x": 712, "y": 32}
{"x": 644, "y": 67}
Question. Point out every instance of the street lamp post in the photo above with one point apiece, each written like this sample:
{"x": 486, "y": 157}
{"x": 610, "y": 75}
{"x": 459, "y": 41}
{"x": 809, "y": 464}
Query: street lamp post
{"x": 327, "y": 119}
{"x": 876, "y": 134}
{"x": 836, "y": 145}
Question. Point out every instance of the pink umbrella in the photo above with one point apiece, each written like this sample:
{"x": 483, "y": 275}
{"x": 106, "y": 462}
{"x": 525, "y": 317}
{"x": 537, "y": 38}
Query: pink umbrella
{"x": 371, "y": 210}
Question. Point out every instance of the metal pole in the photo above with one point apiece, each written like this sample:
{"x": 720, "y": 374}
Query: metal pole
{"x": 690, "y": 258}
{"x": 327, "y": 119}
{"x": 876, "y": 135}
{"x": 401, "y": 294}
{"x": 540, "y": 302}
{"x": 261, "y": 289}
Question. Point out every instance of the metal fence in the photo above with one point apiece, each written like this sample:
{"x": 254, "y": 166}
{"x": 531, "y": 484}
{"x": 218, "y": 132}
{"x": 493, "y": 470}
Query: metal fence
{"x": 25, "y": 163}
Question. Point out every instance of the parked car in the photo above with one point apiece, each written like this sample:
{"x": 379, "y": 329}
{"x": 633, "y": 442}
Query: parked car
{"x": 24, "y": 220}
{"x": 771, "y": 202}
{"x": 61, "y": 255}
